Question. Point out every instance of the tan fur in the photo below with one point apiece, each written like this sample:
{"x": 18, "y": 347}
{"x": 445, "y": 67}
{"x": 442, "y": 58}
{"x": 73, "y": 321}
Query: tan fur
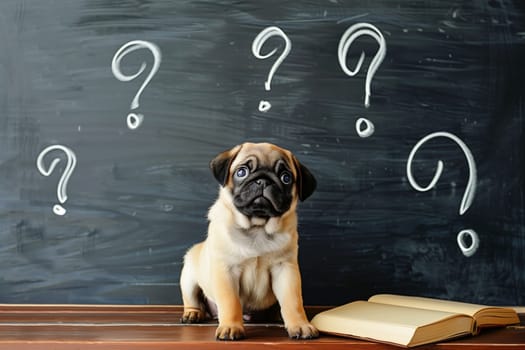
{"x": 246, "y": 263}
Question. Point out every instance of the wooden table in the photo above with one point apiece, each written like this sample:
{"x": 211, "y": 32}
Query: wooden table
{"x": 121, "y": 327}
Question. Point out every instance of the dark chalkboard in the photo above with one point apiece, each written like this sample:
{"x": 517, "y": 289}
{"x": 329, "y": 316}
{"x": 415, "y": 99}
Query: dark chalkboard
{"x": 137, "y": 198}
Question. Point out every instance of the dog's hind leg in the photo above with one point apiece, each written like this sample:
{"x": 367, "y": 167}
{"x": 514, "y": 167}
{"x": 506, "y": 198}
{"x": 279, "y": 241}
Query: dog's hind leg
{"x": 194, "y": 310}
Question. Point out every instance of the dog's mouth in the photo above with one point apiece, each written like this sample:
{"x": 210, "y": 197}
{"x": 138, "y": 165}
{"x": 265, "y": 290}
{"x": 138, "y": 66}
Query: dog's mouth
{"x": 260, "y": 207}
{"x": 262, "y": 197}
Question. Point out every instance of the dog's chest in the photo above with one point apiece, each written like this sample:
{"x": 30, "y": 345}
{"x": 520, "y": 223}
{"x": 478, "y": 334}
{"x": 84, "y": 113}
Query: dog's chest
{"x": 257, "y": 253}
{"x": 256, "y": 242}
{"x": 255, "y": 288}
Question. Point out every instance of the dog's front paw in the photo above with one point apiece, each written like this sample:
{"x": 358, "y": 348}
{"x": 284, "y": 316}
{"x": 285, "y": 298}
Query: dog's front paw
{"x": 302, "y": 331}
{"x": 229, "y": 332}
{"x": 192, "y": 315}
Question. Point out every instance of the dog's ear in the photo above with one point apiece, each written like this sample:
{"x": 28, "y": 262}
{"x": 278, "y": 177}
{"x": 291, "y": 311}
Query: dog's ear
{"x": 220, "y": 165}
{"x": 306, "y": 182}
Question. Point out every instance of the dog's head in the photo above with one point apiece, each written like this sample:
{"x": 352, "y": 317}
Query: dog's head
{"x": 264, "y": 180}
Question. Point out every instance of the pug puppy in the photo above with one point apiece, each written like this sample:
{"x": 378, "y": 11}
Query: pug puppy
{"x": 248, "y": 261}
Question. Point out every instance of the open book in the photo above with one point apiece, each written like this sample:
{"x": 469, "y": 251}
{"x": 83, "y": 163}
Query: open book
{"x": 411, "y": 321}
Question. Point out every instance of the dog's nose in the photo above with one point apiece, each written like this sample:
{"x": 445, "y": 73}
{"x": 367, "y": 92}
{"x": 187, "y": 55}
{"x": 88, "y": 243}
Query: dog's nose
{"x": 262, "y": 182}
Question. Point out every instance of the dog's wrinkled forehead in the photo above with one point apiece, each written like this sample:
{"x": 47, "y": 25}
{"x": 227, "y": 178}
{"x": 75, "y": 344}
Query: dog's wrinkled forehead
{"x": 258, "y": 155}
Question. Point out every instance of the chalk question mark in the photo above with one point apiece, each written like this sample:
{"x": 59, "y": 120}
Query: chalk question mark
{"x": 468, "y": 195}
{"x": 66, "y": 174}
{"x": 349, "y": 36}
{"x": 134, "y": 120}
{"x": 257, "y": 44}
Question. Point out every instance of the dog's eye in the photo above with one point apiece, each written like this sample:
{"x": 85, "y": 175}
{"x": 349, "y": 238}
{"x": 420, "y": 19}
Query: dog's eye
{"x": 242, "y": 172}
{"x": 286, "y": 178}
